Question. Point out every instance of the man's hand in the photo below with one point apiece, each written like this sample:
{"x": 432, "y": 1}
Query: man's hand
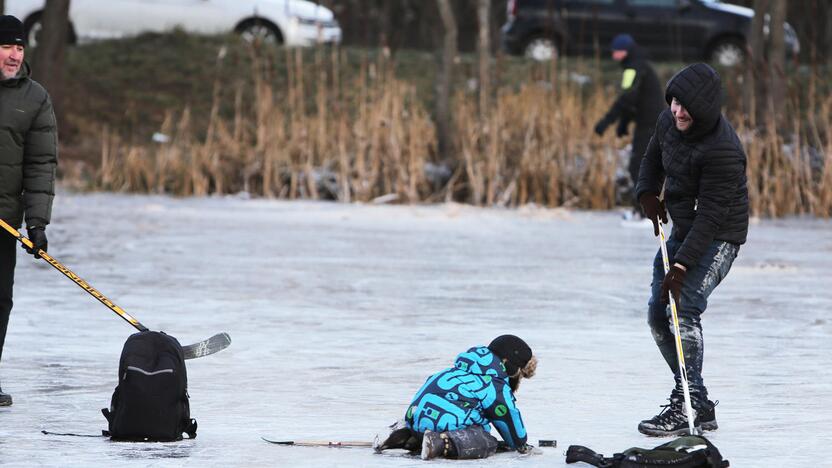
{"x": 601, "y": 127}
{"x": 653, "y": 210}
{"x": 37, "y": 235}
{"x": 673, "y": 282}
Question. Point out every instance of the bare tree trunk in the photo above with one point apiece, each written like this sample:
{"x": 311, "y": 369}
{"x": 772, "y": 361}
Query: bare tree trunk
{"x": 445, "y": 79}
{"x": 484, "y": 46}
{"x": 754, "y": 96}
{"x": 2, "y": 7}
{"x": 777, "y": 62}
{"x": 828, "y": 33}
{"x": 51, "y": 49}
{"x": 386, "y": 25}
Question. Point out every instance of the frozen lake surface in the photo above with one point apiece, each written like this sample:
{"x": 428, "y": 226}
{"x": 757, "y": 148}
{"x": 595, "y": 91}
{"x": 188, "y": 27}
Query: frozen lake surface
{"x": 339, "y": 312}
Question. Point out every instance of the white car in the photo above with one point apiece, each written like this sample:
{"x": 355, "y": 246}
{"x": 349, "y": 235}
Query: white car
{"x": 290, "y": 22}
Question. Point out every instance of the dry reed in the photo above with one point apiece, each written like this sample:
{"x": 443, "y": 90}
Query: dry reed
{"x": 329, "y": 134}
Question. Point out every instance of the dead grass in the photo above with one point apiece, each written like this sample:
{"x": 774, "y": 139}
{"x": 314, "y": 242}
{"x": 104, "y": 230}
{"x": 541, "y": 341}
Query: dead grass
{"x": 325, "y": 131}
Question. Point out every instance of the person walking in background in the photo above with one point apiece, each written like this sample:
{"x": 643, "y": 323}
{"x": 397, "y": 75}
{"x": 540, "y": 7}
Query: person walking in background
{"x": 639, "y": 101}
{"x": 28, "y": 160}
{"x": 451, "y": 414}
{"x": 697, "y": 156}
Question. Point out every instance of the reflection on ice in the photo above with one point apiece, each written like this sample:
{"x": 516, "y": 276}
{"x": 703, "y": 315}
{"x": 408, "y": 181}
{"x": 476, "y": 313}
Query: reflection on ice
{"x": 338, "y": 312}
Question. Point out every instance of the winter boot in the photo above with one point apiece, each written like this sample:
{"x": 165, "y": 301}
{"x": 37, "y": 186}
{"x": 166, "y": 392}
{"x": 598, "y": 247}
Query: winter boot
{"x": 435, "y": 444}
{"x": 396, "y": 436}
{"x": 5, "y": 398}
{"x": 707, "y": 416}
{"x": 671, "y": 421}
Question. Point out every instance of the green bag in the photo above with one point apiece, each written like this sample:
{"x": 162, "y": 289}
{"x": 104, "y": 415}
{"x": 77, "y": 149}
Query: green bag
{"x": 683, "y": 452}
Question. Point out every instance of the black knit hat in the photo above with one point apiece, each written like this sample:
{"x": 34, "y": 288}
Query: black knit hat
{"x": 11, "y": 31}
{"x": 514, "y": 350}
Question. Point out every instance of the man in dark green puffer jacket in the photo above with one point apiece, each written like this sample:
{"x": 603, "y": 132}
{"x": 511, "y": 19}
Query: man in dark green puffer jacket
{"x": 28, "y": 159}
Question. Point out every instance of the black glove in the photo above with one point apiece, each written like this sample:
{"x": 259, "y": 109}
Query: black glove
{"x": 673, "y": 282}
{"x": 622, "y": 129}
{"x": 601, "y": 126}
{"x": 38, "y": 237}
{"x": 653, "y": 209}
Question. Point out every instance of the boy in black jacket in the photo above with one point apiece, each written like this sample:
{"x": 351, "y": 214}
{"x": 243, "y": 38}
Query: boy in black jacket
{"x": 698, "y": 158}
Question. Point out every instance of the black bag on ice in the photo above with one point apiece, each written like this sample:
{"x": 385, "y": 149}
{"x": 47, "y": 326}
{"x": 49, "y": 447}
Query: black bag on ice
{"x": 684, "y": 452}
{"x": 150, "y": 402}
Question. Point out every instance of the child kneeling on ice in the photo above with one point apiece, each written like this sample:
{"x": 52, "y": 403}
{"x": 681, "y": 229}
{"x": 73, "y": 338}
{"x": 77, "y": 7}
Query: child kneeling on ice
{"x": 451, "y": 414}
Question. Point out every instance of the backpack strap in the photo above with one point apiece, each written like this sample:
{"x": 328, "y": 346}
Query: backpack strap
{"x": 579, "y": 453}
{"x": 71, "y": 434}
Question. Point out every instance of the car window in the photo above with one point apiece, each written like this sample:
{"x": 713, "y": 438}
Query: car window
{"x": 590, "y": 2}
{"x": 653, "y": 3}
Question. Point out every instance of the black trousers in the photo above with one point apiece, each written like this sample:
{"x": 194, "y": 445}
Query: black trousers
{"x": 472, "y": 443}
{"x": 466, "y": 444}
{"x": 8, "y": 260}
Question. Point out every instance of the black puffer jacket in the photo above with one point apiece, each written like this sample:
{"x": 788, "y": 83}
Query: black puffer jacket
{"x": 640, "y": 99}
{"x": 28, "y": 151}
{"x": 703, "y": 169}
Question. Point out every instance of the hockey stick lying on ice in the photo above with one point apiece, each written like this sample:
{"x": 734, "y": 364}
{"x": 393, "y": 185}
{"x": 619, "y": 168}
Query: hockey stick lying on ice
{"x": 354, "y": 444}
{"x": 680, "y": 353}
{"x": 216, "y": 343}
{"x": 319, "y": 443}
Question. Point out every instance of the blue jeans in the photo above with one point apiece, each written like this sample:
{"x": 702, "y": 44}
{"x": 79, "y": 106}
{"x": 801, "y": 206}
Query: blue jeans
{"x": 700, "y": 282}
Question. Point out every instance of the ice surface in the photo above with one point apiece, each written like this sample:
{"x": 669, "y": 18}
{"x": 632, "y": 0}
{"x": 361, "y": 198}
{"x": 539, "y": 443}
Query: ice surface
{"x": 338, "y": 313}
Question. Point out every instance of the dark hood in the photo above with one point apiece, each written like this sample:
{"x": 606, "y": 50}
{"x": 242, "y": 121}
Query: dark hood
{"x": 480, "y": 360}
{"x": 699, "y": 89}
{"x": 635, "y": 56}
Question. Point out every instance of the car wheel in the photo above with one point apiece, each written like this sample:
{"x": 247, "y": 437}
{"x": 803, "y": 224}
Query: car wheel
{"x": 260, "y": 32}
{"x": 728, "y": 52}
{"x": 541, "y": 48}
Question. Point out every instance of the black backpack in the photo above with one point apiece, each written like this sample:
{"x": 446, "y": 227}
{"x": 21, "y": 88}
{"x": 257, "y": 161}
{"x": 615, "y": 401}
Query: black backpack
{"x": 684, "y": 452}
{"x": 150, "y": 402}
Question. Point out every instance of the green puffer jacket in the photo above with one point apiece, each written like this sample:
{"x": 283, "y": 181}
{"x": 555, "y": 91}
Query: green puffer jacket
{"x": 28, "y": 151}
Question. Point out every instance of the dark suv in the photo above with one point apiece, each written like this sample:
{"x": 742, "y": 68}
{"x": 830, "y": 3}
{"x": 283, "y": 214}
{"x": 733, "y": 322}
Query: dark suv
{"x": 668, "y": 29}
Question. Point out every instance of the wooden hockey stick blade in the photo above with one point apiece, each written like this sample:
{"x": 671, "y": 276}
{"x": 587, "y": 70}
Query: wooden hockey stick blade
{"x": 320, "y": 443}
{"x": 216, "y": 343}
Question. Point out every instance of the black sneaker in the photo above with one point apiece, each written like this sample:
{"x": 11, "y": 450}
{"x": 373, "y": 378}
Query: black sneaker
{"x": 5, "y": 399}
{"x": 671, "y": 421}
{"x": 707, "y": 416}
{"x": 434, "y": 444}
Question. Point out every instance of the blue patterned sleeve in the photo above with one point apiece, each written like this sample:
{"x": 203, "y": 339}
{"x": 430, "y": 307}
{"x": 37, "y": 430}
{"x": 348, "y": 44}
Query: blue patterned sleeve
{"x": 506, "y": 417}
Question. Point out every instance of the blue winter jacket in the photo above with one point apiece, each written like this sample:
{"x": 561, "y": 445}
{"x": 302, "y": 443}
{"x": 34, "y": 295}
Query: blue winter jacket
{"x": 473, "y": 392}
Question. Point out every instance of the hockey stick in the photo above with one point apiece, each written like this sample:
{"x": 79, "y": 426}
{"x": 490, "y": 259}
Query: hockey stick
{"x": 320, "y": 443}
{"x": 216, "y": 343}
{"x": 680, "y": 353}
{"x": 356, "y": 444}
